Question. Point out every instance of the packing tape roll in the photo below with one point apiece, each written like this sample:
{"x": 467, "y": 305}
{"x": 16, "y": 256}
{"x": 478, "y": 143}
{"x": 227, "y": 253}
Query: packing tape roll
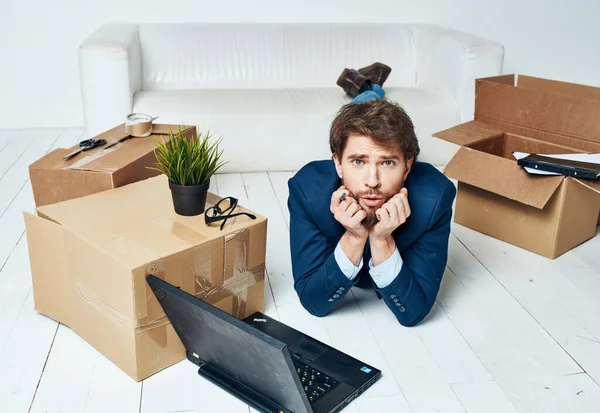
{"x": 138, "y": 125}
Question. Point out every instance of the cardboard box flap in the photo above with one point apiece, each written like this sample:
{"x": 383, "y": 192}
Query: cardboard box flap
{"x": 540, "y": 106}
{"x": 469, "y": 133}
{"x": 501, "y": 176}
{"x": 136, "y": 223}
{"x": 506, "y": 79}
{"x": 94, "y": 160}
{"x": 109, "y": 160}
{"x": 113, "y": 159}
{"x": 593, "y": 185}
{"x": 555, "y": 86}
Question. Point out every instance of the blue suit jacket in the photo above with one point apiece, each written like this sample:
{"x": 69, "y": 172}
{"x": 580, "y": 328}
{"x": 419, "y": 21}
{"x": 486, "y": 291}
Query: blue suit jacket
{"x": 422, "y": 242}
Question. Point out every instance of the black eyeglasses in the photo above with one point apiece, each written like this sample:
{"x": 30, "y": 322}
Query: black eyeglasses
{"x": 222, "y": 212}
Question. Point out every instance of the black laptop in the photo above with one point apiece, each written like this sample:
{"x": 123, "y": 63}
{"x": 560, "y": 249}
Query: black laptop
{"x": 265, "y": 363}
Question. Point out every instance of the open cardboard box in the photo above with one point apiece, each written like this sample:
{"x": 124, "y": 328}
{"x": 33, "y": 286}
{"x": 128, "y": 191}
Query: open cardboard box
{"x": 90, "y": 257}
{"x": 54, "y": 179}
{"x": 548, "y": 215}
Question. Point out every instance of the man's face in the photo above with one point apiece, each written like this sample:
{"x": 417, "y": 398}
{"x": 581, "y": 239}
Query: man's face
{"x": 372, "y": 173}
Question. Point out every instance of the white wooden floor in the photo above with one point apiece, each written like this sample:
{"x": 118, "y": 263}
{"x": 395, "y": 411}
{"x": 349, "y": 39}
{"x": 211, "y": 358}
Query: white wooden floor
{"x": 511, "y": 331}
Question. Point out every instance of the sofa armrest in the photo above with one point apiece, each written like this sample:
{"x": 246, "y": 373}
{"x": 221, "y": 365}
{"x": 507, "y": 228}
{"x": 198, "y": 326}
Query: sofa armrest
{"x": 450, "y": 61}
{"x": 111, "y": 73}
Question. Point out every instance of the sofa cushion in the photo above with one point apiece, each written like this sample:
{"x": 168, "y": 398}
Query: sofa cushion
{"x": 283, "y": 129}
{"x": 270, "y": 56}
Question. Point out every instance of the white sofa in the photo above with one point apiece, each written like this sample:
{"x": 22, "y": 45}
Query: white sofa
{"x": 270, "y": 89}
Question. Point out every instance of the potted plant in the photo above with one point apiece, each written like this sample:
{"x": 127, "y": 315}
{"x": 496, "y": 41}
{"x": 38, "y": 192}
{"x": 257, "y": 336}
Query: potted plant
{"x": 189, "y": 163}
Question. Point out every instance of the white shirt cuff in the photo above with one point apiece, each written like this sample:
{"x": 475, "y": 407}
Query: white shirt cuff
{"x": 345, "y": 264}
{"x": 387, "y": 271}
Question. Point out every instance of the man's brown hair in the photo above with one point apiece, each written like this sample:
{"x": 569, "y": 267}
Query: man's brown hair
{"x": 383, "y": 121}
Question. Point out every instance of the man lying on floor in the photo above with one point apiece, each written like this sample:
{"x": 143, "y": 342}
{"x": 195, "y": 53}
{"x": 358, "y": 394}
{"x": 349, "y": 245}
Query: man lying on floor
{"x": 372, "y": 204}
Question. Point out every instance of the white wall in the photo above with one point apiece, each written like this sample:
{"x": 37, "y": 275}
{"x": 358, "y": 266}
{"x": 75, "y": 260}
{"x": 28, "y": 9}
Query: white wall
{"x": 39, "y": 76}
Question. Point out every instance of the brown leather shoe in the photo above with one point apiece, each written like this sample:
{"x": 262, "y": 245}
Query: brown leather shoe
{"x": 351, "y": 81}
{"x": 377, "y": 73}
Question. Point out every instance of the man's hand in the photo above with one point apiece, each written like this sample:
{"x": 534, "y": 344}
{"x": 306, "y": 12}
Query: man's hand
{"x": 391, "y": 215}
{"x": 349, "y": 213}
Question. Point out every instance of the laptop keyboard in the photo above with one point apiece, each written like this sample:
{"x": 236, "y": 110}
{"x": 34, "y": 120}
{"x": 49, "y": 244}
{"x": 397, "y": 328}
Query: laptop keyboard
{"x": 314, "y": 382}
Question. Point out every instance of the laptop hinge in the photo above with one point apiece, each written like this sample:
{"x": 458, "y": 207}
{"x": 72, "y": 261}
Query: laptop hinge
{"x": 194, "y": 358}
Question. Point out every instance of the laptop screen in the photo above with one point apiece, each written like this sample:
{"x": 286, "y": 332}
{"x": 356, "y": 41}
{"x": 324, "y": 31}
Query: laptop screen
{"x": 232, "y": 346}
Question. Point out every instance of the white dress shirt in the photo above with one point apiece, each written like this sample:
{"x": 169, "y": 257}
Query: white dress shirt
{"x": 383, "y": 274}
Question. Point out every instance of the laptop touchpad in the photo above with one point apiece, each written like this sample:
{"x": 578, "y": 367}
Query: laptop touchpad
{"x": 310, "y": 348}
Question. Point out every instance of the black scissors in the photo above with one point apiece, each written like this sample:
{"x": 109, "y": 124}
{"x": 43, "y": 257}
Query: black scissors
{"x": 85, "y": 146}
{"x": 119, "y": 141}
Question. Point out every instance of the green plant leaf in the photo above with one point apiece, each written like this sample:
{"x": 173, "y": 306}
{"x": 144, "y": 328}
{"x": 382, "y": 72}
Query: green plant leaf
{"x": 189, "y": 160}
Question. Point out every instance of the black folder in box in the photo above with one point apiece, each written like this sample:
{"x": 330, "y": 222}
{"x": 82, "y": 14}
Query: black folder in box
{"x": 561, "y": 166}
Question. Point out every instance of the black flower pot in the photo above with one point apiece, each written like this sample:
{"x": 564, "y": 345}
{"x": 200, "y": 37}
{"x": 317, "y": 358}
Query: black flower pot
{"x": 189, "y": 200}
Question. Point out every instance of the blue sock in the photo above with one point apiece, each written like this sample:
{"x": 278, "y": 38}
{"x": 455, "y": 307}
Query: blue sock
{"x": 363, "y": 97}
{"x": 378, "y": 89}
{"x": 376, "y": 92}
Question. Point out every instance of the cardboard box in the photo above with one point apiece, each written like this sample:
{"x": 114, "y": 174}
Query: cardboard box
{"x": 545, "y": 214}
{"x": 90, "y": 257}
{"x": 54, "y": 179}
